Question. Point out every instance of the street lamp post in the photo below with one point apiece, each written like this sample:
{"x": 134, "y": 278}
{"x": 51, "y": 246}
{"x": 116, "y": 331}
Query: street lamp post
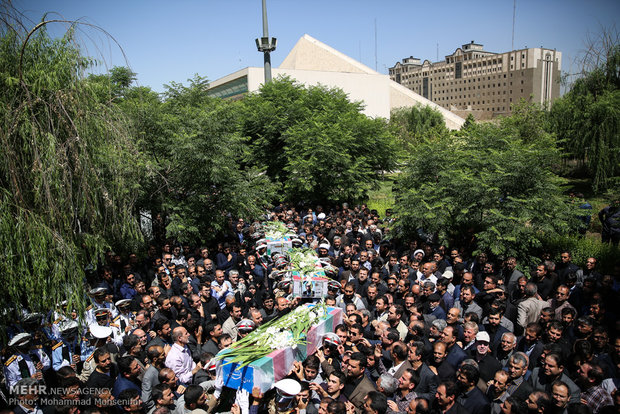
{"x": 266, "y": 44}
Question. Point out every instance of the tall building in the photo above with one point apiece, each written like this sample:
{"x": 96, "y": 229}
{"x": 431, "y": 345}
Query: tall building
{"x": 486, "y": 84}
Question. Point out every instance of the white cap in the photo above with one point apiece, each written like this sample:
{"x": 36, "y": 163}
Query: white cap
{"x": 483, "y": 336}
{"x": 288, "y": 387}
{"x": 20, "y": 339}
{"x": 324, "y": 246}
{"x": 321, "y": 216}
{"x": 448, "y": 274}
{"x": 100, "y": 332}
{"x": 66, "y": 326}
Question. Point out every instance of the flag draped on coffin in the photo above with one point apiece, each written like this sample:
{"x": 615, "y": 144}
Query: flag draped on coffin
{"x": 267, "y": 370}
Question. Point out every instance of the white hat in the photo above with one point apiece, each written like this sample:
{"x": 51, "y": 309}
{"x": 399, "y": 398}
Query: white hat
{"x": 288, "y": 387}
{"x": 483, "y": 336}
{"x": 67, "y": 326}
{"x": 448, "y": 274}
{"x": 419, "y": 251}
{"x": 20, "y": 339}
{"x": 100, "y": 332}
{"x": 98, "y": 291}
{"x": 324, "y": 246}
{"x": 122, "y": 302}
{"x": 321, "y": 216}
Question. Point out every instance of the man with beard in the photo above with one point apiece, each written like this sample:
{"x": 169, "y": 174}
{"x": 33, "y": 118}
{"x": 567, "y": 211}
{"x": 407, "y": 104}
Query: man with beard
{"x": 163, "y": 398}
{"x": 395, "y": 314}
{"x": 213, "y": 331}
{"x": 194, "y": 398}
{"x": 471, "y": 397}
{"x": 466, "y": 302}
{"x": 439, "y": 365}
{"x": 357, "y": 384}
{"x": 165, "y": 309}
{"x": 560, "y": 301}
{"x": 487, "y": 363}
{"x": 209, "y": 303}
{"x": 427, "y": 385}
{"x": 590, "y": 376}
{"x": 530, "y": 343}
{"x": 496, "y": 393}
{"x": 230, "y": 325}
{"x": 405, "y": 392}
{"x": 157, "y": 356}
{"x": 163, "y": 327}
{"x": 370, "y": 299}
{"x": 543, "y": 283}
{"x": 362, "y": 282}
{"x": 129, "y": 370}
{"x": 349, "y": 296}
{"x": 553, "y": 370}
{"x": 105, "y": 371}
{"x": 494, "y": 328}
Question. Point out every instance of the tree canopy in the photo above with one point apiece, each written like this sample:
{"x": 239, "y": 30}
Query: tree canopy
{"x": 489, "y": 185}
{"x": 314, "y": 143}
{"x": 587, "y": 118}
{"x": 67, "y": 170}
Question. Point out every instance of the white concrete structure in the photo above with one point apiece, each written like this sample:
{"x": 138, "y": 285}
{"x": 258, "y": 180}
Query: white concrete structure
{"x": 311, "y": 62}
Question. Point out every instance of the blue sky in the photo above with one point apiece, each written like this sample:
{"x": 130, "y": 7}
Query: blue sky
{"x": 167, "y": 41}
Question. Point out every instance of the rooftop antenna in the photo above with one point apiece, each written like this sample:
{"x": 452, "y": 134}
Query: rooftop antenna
{"x": 266, "y": 44}
{"x": 375, "y": 44}
{"x": 514, "y": 15}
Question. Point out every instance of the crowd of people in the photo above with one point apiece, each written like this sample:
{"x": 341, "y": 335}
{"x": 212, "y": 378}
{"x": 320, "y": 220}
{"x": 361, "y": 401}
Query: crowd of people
{"x": 427, "y": 329}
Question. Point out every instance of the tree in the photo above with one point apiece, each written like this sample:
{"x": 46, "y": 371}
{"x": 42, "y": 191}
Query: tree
{"x": 414, "y": 123}
{"x": 198, "y": 161}
{"x": 492, "y": 186}
{"x": 587, "y": 118}
{"x": 314, "y": 143}
{"x": 66, "y": 171}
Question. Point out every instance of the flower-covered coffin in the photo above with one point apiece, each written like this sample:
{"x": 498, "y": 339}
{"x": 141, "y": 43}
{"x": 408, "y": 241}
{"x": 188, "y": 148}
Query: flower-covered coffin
{"x": 245, "y": 368}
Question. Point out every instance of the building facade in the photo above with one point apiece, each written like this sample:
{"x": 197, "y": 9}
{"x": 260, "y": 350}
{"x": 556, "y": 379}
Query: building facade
{"x": 483, "y": 83}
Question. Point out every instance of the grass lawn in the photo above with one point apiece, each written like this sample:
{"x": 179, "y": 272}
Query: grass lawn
{"x": 382, "y": 198}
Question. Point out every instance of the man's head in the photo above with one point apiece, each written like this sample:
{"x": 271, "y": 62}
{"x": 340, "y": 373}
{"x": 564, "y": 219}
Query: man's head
{"x": 356, "y": 365}
{"x": 448, "y": 336}
{"x": 553, "y": 365}
{"x": 439, "y": 352}
{"x": 446, "y": 394}
{"x": 375, "y": 403}
{"x": 500, "y": 381}
{"x": 128, "y": 367}
{"x": 467, "y": 377}
{"x": 180, "y": 336}
{"x": 560, "y": 394}
{"x": 508, "y": 342}
{"x": 517, "y": 365}
{"x": 335, "y": 382}
{"x": 102, "y": 359}
{"x": 408, "y": 381}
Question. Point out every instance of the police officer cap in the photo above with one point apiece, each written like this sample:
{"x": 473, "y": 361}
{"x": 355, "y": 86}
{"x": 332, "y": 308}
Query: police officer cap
{"x": 102, "y": 312}
{"x": 245, "y": 325}
{"x": 288, "y": 387}
{"x": 100, "y": 332}
{"x": 98, "y": 291}
{"x": 68, "y": 327}
{"x": 123, "y": 302}
{"x": 20, "y": 339}
{"x": 332, "y": 339}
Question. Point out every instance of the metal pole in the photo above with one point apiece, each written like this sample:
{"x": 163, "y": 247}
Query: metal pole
{"x": 266, "y": 52}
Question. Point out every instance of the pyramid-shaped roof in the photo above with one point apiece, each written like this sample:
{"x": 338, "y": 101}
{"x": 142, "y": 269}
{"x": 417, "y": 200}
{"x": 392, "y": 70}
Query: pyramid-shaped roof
{"x": 311, "y": 54}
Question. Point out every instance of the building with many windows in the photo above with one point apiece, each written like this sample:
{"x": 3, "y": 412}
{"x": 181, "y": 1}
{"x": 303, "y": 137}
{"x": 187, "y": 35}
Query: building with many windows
{"x": 486, "y": 84}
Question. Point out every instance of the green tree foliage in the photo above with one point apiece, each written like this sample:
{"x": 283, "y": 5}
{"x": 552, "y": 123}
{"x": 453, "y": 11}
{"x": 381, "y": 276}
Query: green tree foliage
{"x": 314, "y": 143}
{"x": 413, "y": 124}
{"x": 587, "y": 119}
{"x": 198, "y": 172}
{"x": 67, "y": 171}
{"x": 491, "y": 186}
